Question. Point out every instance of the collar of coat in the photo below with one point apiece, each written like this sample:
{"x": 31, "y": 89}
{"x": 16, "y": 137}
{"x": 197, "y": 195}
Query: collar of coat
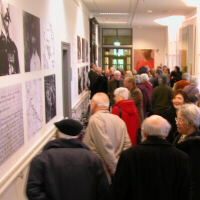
{"x": 154, "y": 140}
{"x": 65, "y": 143}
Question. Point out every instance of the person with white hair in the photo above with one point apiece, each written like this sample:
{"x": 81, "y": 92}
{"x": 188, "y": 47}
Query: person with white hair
{"x": 182, "y": 83}
{"x": 153, "y": 169}
{"x": 106, "y": 134}
{"x": 146, "y": 83}
{"x": 188, "y": 140}
{"x": 146, "y": 97}
{"x": 128, "y": 73}
{"x": 193, "y": 87}
{"x": 113, "y": 84}
{"x": 66, "y": 164}
{"x": 127, "y": 111}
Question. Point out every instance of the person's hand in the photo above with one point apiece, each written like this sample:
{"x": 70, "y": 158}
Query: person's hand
{"x": 172, "y": 77}
{"x": 87, "y": 89}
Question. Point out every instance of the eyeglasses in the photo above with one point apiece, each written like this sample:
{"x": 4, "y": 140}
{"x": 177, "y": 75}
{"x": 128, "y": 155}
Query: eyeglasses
{"x": 180, "y": 121}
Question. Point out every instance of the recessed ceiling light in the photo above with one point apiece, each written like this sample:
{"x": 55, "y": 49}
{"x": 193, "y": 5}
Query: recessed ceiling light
{"x": 139, "y": 27}
{"x": 149, "y": 11}
{"x": 114, "y": 13}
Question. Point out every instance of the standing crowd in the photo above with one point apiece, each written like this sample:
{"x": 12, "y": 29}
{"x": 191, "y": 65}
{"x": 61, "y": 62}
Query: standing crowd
{"x": 142, "y": 141}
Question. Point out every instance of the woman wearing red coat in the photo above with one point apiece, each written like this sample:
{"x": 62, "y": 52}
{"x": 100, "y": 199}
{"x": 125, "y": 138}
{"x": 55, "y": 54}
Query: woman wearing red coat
{"x": 128, "y": 113}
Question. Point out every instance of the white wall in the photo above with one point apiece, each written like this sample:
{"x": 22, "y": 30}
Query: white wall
{"x": 151, "y": 38}
{"x": 69, "y": 18}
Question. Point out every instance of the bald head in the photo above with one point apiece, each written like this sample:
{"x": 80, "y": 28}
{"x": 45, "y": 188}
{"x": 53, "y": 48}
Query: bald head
{"x": 100, "y": 101}
{"x": 107, "y": 73}
{"x": 155, "y": 125}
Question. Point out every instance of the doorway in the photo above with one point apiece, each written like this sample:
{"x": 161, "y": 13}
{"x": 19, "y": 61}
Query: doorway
{"x": 66, "y": 80}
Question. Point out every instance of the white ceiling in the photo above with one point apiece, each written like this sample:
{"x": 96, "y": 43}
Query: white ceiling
{"x": 137, "y": 11}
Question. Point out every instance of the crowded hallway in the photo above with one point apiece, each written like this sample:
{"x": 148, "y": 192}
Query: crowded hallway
{"x": 99, "y": 100}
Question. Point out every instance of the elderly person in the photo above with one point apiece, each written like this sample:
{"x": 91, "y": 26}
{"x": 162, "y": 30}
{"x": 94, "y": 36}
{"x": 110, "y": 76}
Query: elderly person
{"x": 146, "y": 83}
{"x": 127, "y": 111}
{"x": 179, "y": 97}
{"x": 106, "y": 134}
{"x": 146, "y": 97}
{"x": 188, "y": 140}
{"x": 182, "y": 83}
{"x": 193, "y": 87}
{"x": 153, "y": 169}
{"x": 128, "y": 73}
{"x": 113, "y": 84}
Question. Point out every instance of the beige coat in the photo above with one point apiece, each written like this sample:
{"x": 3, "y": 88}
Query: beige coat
{"x": 107, "y": 137}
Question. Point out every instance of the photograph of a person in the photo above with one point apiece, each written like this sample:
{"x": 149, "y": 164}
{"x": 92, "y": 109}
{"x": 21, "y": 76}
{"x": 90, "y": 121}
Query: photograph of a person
{"x": 50, "y": 96}
{"x": 9, "y": 59}
{"x": 32, "y": 52}
{"x": 78, "y": 49}
{"x": 83, "y": 50}
{"x": 80, "y": 80}
{"x": 86, "y": 50}
{"x": 143, "y": 57}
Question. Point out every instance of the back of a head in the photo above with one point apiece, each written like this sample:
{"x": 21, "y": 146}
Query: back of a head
{"x": 194, "y": 79}
{"x": 192, "y": 98}
{"x": 162, "y": 79}
{"x": 156, "y": 125}
{"x": 128, "y": 72}
{"x": 134, "y": 72}
{"x": 186, "y": 76}
{"x": 122, "y": 92}
{"x": 152, "y": 72}
{"x": 101, "y": 99}
{"x": 138, "y": 79}
{"x": 159, "y": 71}
{"x": 177, "y": 68}
{"x": 112, "y": 70}
{"x": 144, "y": 77}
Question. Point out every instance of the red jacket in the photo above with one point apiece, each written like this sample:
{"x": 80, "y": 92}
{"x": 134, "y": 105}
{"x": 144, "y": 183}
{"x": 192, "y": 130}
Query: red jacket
{"x": 129, "y": 115}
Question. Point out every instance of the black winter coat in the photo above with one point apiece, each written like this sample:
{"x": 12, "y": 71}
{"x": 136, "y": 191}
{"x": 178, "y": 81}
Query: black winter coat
{"x": 67, "y": 169}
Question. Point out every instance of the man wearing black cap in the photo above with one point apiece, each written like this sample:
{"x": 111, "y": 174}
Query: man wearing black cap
{"x": 67, "y": 169}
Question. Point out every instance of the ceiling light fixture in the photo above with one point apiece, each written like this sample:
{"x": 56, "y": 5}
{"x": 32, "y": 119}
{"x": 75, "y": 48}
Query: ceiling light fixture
{"x": 167, "y": 21}
{"x": 117, "y": 44}
{"x": 149, "y": 11}
{"x": 114, "y": 13}
{"x": 192, "y": 3}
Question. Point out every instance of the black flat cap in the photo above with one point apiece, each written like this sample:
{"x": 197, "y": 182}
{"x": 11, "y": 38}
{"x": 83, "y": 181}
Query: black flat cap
{"x": 69, "y": 127}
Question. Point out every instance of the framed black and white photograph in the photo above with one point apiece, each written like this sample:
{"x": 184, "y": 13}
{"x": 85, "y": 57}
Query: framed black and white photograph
{"x": 87, "y": 82}
{"x": 50, "y": 96}
{"x": 86, "y": 51}
{"x": 78, "y": 49}
{"x": 49, "y": 46}
{"x": 32, "y": 51}
{"x": 80, "y": 80}
{"x": 84, "y": 77}
{"x": 9, "y": 39}
{"x": 83, "y": 50}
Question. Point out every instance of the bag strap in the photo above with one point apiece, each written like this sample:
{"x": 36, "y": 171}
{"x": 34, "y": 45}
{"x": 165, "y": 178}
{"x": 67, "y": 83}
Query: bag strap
{"x": 120, "y": 112}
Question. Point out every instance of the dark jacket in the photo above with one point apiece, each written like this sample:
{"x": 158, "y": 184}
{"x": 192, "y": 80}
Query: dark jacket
{"x": 67, "y": 169}
{"x": 191, "y": 146}
{"x": 169, "y": 114}
{"x": 93, "y": 81}
{"x": 161, "y": 98}
{"x": 146, "y": 99}
{"x": 177, "y": 76}
{"x": 152, "y": 170}
{"x": 129, "y": 114}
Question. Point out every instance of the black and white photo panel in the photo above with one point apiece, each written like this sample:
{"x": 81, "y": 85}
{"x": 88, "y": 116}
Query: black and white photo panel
{"x": 50, "y": 96}
{"x": 78, "y": 49}
{"x": 32, "y": 51}
{"x": 80, "y": 80}
{"x": 86, "y": 50}
{"x": 9, "y": 39}
{"x": 49, "y": 46}
{"x": 83, "y": 50}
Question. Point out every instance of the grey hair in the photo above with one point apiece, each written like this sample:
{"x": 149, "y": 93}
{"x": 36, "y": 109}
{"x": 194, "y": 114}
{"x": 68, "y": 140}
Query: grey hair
{"x": 138, "y": 78}
{"x": 186, "y": 76}
{"x": 144, "y": 77}
{"x": 194, "y": 79}
{"x": 134, "y": 72}
{"x": 97, "y": 69}
{"x": 117, "y": 72}
{"x": 162, "y": 78}
{"x": 122, "y": 92}
{"x": 191, "y": 113}
{"x": 153, "y": 130}
{"x": 101, "y": 99}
